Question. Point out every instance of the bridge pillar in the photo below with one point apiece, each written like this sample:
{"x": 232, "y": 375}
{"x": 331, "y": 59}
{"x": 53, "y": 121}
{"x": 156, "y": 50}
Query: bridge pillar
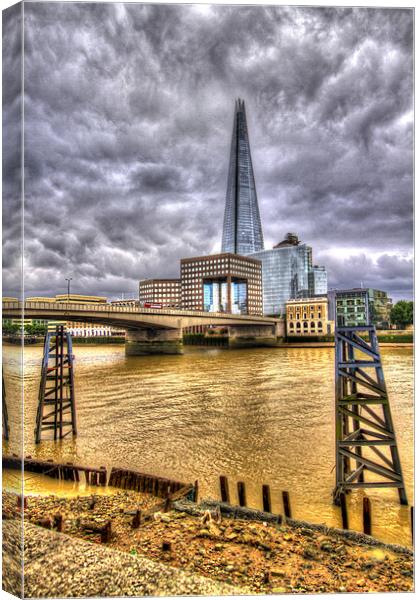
{"x": 254, "y": 336}
{"x": 140, "y": 342}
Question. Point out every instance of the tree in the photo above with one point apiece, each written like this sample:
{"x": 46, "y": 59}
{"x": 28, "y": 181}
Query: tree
{"x": 10, "y": 328}
{"x": 402, "y": 313}
{"x": 36, "y": 329}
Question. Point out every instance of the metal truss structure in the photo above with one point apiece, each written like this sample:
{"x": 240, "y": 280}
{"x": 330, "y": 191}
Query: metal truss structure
{"x": 56, "y": 402}
{"x": 366, "y": 446}
{"x": 6, "y": 430}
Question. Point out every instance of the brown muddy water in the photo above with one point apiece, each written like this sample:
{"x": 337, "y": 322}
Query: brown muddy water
{"x": 258, "y": 416}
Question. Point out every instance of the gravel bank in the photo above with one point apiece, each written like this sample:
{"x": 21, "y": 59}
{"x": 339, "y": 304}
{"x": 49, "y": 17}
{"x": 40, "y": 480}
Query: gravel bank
{"x": 260, "y": 557}
{"x": 57, "y": 565}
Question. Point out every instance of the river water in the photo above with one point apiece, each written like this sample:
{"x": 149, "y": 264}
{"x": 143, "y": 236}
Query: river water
{"x": 258, "y": 416}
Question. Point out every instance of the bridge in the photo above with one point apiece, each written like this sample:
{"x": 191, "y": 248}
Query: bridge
{"x": 151, "y": 330}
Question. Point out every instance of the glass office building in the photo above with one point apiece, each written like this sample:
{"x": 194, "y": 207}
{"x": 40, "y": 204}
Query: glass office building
{"x": 285, "y": 271}
{"x": 216, "y": 296}
{"x": 242, "y": 231}
{"x": 318, "y": 281}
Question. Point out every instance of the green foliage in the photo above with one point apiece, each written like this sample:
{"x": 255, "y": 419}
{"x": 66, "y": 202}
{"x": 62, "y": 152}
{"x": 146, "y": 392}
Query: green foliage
{"x": 402, "y": 313}
{"x": 36, "y": 329}
{"x": 10, "y": 328}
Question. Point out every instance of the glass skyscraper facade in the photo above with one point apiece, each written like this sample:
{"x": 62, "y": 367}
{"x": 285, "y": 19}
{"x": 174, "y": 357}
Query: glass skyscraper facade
{"x": 285, "y": 272}
{"x": 242, "y": 231}
{"x": 216, "y": 296}
{"x": 318, "y": 281}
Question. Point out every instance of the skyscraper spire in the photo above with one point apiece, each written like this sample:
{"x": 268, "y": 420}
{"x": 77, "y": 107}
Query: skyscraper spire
{"x": 242, "y": 232}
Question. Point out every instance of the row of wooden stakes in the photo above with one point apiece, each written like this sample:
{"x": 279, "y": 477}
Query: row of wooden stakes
{"x": 62, "y": 471}
{"x": 266, "y": 496}
{"x": 266, "y": 501}
{"x": 133, "y": 480}
{"x": 120, "y": 478}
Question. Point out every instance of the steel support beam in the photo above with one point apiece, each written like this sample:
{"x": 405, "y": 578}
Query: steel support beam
{"x": 56, "y": 400}
{"x": 6, "y": 430}
{"x": 363, "y": 416}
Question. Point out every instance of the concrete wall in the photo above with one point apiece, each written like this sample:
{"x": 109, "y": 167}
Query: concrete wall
{"x": 256, "y": 335}
{"x": 141, "y": 342}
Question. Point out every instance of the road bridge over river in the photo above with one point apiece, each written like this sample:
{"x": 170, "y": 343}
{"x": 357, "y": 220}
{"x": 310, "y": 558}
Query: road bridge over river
{"x": 151, "y": 330}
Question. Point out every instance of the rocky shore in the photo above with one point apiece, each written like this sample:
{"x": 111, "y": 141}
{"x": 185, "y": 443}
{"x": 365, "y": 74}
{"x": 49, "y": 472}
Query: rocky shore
{"x": 252, "y": 557}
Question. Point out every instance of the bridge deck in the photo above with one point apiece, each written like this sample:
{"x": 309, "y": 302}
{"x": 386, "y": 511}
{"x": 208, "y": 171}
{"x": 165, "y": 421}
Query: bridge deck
{"x": 127, "y": 316}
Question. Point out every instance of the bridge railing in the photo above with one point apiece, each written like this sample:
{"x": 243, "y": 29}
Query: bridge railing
{"x": 64, "y": 307}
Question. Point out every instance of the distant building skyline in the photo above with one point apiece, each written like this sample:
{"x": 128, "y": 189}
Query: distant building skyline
{"x": 242, "y": 230}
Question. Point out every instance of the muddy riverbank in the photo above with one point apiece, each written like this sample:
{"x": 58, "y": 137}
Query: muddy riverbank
{"x": 254, "y": 557}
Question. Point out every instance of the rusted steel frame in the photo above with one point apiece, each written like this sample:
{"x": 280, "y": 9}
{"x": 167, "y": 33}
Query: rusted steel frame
{"x": 364, "y": 348}
{"x": 371, "y": 380}
{"x": 347, "y": 375}
{"x": 374, "y": 415}
{"x": 6, "y": 430}
{"x": 351, "y": 404}
{"x": 71, "y": 383}
{"x": 364, "y": 419}
{"x": 56, "y": 395}
{"x": 382, "y": 456}
{"x": 372, "y": 466}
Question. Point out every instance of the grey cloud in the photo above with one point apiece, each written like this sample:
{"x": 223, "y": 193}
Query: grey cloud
{"x": 386, "y": 272}
{"x": 128, "y": 117}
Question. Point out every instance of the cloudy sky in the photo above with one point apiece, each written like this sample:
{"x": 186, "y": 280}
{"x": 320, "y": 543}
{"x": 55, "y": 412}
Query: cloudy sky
{"x": 128, "y": 118}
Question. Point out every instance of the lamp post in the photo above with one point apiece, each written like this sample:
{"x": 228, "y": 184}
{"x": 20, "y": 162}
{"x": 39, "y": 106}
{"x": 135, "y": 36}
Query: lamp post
{"x": 68, "y": 288}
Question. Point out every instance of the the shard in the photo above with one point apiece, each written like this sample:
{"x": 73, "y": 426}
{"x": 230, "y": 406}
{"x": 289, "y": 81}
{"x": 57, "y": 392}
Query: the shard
{"x": 242, "y": 232}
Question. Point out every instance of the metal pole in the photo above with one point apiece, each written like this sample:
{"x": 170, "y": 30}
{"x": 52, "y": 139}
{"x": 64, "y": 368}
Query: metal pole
{"x": 68, "y": 288}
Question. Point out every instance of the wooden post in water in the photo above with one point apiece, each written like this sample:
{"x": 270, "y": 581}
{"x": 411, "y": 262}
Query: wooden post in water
{"x": 367, "y": 517}
{"x": 241, "y": 493}
{"x": 266, "y": 496}
{"x": 195, "y": 495}
{"x": 412, "y": 523}
{"x": 224, "y": 489}
{"x": 343, "y": 506}
{"x": 286, "y": 505}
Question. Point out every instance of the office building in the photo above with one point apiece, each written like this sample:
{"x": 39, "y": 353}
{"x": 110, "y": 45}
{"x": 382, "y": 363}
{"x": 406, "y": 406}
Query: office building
{"x": 285, "y": 271}
{"x": 242, "y": 231}
{"x": 222, "y": 283}
{"x": 308, "y": 317}
{"x": 166, "y": 292}
{"x": 318, "y": 281}
{"x": 360, "y": 306}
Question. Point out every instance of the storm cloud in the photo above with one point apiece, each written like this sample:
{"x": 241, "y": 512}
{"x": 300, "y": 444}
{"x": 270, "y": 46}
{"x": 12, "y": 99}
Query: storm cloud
{"x": 128, "y": 118}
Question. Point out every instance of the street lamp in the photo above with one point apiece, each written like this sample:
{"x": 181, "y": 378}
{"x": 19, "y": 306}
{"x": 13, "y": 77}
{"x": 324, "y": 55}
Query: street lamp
{"x": 68, "y": 288}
